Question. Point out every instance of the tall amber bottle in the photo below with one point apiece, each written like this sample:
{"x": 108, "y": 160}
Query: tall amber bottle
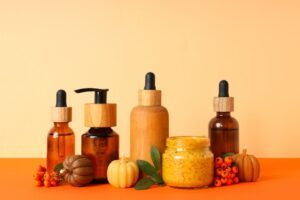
{"x": 61, "y": 139}
{"x": 100, "y": 143}
{"x": 149, "y": 122}
{"x": 224, "y": 129}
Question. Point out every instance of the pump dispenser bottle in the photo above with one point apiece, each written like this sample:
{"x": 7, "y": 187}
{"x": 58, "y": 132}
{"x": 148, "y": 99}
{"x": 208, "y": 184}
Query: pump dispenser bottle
{"x": 61, "y": 139}
{"x": 100, "y": 143}
{"x": 224, "y": 129}
{"x": 149, "y": 122}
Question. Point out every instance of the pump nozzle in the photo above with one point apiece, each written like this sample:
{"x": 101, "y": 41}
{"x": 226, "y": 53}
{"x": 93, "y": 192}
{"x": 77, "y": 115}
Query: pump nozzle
{"x": 150, "y": 81}
{"x": 223, "y": 89}
{"x": 100, "y": 94}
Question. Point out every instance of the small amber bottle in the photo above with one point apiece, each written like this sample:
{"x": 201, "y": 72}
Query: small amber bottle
{"x": 100, "y": 143}
{"x": 61, "y": 139}
{"x": 224, "y": 129}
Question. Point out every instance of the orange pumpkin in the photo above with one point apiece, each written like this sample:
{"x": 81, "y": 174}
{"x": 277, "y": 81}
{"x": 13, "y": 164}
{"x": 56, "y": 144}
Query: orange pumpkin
{"x": 248, "y": 166}
{"x": 78, "y": 170}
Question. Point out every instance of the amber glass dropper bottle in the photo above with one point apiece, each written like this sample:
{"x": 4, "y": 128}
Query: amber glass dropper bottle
{"x": 61, "y": 139}
{"x": 224, "y": 129}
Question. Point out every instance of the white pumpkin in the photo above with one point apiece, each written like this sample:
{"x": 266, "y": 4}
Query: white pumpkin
{"x": 122, "y": 173}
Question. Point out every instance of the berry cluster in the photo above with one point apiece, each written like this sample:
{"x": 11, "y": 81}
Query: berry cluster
{"x": 44, "y": 178}
{"x": 226, "y": 172}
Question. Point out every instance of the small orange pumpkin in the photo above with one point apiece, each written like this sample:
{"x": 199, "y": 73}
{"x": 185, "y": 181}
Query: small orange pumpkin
{"x": 248, "y": 165}
{"x": 78, "y": 170}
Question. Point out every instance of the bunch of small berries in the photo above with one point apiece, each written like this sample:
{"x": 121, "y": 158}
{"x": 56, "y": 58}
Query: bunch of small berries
{"x": 226, "y": 171}
{"x": 44, "y": 178}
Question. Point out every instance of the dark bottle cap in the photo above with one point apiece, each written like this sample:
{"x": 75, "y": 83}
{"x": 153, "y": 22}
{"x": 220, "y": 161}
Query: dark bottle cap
{"x": 61, "y": 98}
{"x": 150, "y": 81}
{"x": 100, "y": 94}
{"x": 61, "y": 113}
{"x": 223, "y": 89}
{"x": 223, "y": 103}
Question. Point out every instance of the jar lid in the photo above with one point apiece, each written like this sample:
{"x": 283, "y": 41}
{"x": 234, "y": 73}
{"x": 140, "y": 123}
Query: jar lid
{"x": 188, "y": 142}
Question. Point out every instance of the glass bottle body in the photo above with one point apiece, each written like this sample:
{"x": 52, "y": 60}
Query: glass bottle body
{"x": 101, "y": 145}
{"x": 224, "y": 134}
{"x": 60, "y": 144}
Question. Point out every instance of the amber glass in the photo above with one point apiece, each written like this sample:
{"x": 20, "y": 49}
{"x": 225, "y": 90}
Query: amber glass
{"x": 101, "y": 145}
{"x": 224, "y": 134}
{"x": 60, "y": 143}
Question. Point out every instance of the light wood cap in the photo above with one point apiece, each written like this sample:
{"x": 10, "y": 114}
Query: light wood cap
{"x": 223, "y": 104}
{"x": 149, "y": 97}
{"x": 100, "y": 115}
{"x": 62, "y": 114}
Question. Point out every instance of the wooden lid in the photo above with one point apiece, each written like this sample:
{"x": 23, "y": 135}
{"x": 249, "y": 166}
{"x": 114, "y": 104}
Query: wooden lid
{"x": 223, "y": 104}
{"x": 189, "y": 142}
{"x": 62, "y": 114}
{"x": 149, "y": 97}
{"x": 100, "y": 115}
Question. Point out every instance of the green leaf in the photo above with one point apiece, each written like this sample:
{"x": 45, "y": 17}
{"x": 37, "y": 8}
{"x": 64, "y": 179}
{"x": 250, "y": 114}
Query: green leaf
{"x": 58, "y": 167}
{"x": 227, "y": 154}
{"x": 144, "y": 184}
{"x": 147, "y": 168}
{"x": 155, "y": 156}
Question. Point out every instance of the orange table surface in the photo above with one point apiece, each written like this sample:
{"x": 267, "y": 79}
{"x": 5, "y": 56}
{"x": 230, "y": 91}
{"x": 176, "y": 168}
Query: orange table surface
{"x": 280, "y": 179}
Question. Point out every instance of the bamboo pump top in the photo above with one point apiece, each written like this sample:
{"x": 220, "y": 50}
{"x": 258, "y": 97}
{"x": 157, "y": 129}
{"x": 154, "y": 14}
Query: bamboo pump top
{"x": 61, "y": 113}
{"x": 100, "y": 113}
{"x": 149, "y": 96}
{"x": 223, "y": 103}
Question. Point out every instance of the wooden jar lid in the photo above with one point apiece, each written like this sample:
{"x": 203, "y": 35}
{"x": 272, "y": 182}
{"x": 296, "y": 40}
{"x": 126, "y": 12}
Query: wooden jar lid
{"x": 149, "y": 97}
{"x": 62, "y": 114}
{"x": 223, "y": 104}
{"x": 100, "y": 115}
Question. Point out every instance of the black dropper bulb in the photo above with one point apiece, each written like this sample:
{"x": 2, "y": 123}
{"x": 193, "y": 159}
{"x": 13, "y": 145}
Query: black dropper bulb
{"x": 150, "y": 81}
{"x": 61, "y": 98}
{"x": 223, "y": 89}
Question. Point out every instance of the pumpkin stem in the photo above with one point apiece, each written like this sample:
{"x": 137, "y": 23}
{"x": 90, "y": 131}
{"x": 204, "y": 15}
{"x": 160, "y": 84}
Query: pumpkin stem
{"x": 63, "y": 171}
{"x": 123, "y": 156}
{"x": 245, "y": 151}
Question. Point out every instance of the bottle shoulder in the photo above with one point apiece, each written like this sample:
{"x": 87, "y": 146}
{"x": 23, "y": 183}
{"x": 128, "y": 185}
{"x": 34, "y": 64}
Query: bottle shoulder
{"x": 61, "y": 130}
{"x": 223, "y": 122}
{"x": 149, "y": 109}
{"x": 102, "y": 132}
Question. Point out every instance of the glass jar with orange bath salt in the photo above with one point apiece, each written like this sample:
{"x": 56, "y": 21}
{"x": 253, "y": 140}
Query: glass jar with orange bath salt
{"x": 188, "y": 162}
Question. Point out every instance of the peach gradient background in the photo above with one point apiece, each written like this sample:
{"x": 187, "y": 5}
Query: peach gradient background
{"x": 190, "y": 45}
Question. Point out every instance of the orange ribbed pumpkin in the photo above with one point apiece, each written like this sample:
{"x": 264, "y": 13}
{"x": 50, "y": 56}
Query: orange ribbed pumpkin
{"x": 248, "y": 165}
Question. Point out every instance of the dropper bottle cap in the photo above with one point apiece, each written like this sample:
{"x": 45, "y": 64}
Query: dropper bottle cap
{"x": 223, "y": 103}
{"x": 61, "y": 113}
{"x": 100, "y": 113}
{"x": 149, "y": 96}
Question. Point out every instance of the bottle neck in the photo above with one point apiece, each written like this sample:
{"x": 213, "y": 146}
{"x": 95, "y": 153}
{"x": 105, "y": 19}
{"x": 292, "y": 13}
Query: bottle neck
{"x": 223, "y": 114}
{"x": 61, "y": 124}
{"x": 100, "y": 130}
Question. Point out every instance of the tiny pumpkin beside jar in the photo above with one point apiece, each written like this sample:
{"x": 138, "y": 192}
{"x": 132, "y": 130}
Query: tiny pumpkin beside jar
{"x": 78, "y": 170}
{"x": 122, "y": 173}
{"x": 248, "y": 165}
